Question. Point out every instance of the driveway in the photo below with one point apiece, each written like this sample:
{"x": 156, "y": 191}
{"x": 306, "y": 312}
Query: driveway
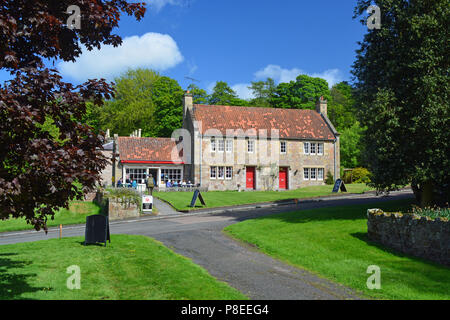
{"x": 200, "y": 238}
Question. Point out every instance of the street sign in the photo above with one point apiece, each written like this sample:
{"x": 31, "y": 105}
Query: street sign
{"x": 196, "y": 195}
{"x": 147, "y": 204}
{"x": 339, "y": 184}
{"x": 97, "y": 229}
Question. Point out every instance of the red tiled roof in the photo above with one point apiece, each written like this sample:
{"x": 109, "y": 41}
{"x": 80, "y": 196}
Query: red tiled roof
{"x": 291, "y": 123}
{"x": 151, "y": 150}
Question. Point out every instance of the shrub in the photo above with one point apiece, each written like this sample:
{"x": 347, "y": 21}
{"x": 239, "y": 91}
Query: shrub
{"x": 360, "y": 175}
{"x": 126, "y": 196}
{"x": 433, "y": 213}
{"x": 329, "y": 179}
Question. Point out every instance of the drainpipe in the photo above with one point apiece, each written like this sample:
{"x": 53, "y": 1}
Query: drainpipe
{"x": 201, "y": 157}
{"x": 334, "y": 146}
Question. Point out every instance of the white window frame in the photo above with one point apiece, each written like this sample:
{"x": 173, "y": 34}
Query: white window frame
{"x": 320, "y": 149}
{"x": 211, "y": 171}
{"x": 221, "y": 146}
{"x": 219, "y": 177}
{"x": 213, "y": 145}
{"x": 319, "y": 177}
{"x": 228, "y": 173}
{"x": 229, "y": 146}
{"x": 250, "y": 143}
{"x": 311, "y": 174}
{"x": 174, "y": 174}
{"x": 306, "y": 148}
{"x": 313, "y": 144}
{"x": 306, "y": 177}
{"x": 283, "y": 143}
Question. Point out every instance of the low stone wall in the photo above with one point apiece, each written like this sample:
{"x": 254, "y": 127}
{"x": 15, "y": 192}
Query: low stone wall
{"x": 411, "y": 234}
{"x": 120, "y": 210}
{"x": 117, "y": 209}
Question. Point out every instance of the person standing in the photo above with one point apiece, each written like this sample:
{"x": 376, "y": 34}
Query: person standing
{"x": 150, "y": 184}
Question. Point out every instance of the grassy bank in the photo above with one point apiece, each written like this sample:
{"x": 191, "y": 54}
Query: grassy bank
{"x": 131, "y": 267}
{"x": 77, "y": 213}
{"x": 332, "y": 242}
{"x": 213, "y": 199}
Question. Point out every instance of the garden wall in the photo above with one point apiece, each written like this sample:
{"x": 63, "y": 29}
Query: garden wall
{"x": 117, "y": 208}
{"x": 411, "y": 234}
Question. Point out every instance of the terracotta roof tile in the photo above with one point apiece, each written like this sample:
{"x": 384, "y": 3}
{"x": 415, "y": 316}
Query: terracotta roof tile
{"x": 149, "y": 149}
{"x": 291, "y": 123}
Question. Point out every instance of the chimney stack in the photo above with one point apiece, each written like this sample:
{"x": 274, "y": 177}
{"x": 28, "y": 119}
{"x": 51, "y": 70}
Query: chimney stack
{"x": 321, "y": 106}
{"x": 188, "y": 103}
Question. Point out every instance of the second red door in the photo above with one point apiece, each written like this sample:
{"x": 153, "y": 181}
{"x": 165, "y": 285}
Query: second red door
{"x": 283, "y": 178}
{"x": 250, "y": 177}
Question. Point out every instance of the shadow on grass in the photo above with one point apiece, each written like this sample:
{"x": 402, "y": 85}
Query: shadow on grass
{"x": 348, "y": 209}
{"x": 97, "y": 244}
{"x": 14, "y": 283}
{"x": 364, "y": 237}
{"x": 434, "y": 277}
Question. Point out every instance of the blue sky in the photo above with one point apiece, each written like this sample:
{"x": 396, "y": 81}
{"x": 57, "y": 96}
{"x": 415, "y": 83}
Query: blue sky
{"x": 237, "y": 41}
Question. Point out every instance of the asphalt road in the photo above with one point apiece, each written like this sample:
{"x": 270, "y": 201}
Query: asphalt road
{"x": 200, "y": 238}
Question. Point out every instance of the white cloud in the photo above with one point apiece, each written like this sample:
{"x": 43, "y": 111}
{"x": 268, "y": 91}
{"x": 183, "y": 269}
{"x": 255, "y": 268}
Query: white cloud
{"x": 243, "y": 91}
{"x": 159, "y": 4}
{"x": 151, "y": 50}
{"x": 192, "y": 67}
{"x": 280, "y": 74}
{"x": 332, "y": 76}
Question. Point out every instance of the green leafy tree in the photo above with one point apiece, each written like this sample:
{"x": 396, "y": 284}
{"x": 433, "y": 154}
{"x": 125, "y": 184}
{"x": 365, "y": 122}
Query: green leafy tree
{"x": 262, "y": 91}
{"x": 223, "y": 94}
{"x": 402, "y": 85}
{"x": 133, "y": 106}
{"x": 200, "y": 96}
{"x": 341, "y": 106}
{"x": 300, "y": 94}
{"x": 351, "y": 146}
{"x": 167, "y": 96}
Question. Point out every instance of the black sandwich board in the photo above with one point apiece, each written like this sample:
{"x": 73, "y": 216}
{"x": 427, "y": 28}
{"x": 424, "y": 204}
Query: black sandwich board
{"x": 97, "y": 229}
{"x": 194, "y": 198}
{"x": 339, "y": 184}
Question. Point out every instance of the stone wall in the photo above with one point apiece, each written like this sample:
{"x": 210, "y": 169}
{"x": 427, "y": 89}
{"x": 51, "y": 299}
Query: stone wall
{"x": 121, "y": 210}
{"x": 411, "y": 234}
{"x": 117, "y": 209}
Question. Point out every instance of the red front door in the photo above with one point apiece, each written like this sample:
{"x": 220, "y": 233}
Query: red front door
{"x": 283, "y": 178}
{"x": 250, "y": 177}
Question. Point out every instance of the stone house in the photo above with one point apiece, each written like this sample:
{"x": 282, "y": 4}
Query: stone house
{"x": 231, "y": 148}
{"x": 253, "y": 148}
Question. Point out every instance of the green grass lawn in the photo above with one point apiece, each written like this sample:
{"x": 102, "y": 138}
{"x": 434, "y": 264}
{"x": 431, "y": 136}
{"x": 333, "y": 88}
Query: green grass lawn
{"x": 77, "y": 213}
{"x": 213, "y": 199}
{"x": 332, "y": 242}
{"x": 131, "y": 267}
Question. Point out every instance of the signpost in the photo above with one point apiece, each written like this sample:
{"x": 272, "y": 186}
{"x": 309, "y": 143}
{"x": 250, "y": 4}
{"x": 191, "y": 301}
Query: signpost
{"x": 197, "y": 194}
{"x": 97, "y": 229}
{"x": 147, "y": 204}
{"x": 339, "y": 184}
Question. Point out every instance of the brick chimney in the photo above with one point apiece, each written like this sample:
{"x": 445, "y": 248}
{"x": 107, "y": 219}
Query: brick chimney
{"x": 188, "y": 103}
{"x": 321, "y": 106}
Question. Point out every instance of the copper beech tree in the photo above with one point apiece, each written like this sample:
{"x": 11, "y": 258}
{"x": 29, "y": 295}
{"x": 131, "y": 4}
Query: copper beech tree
{"x": 40, "y": 170}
